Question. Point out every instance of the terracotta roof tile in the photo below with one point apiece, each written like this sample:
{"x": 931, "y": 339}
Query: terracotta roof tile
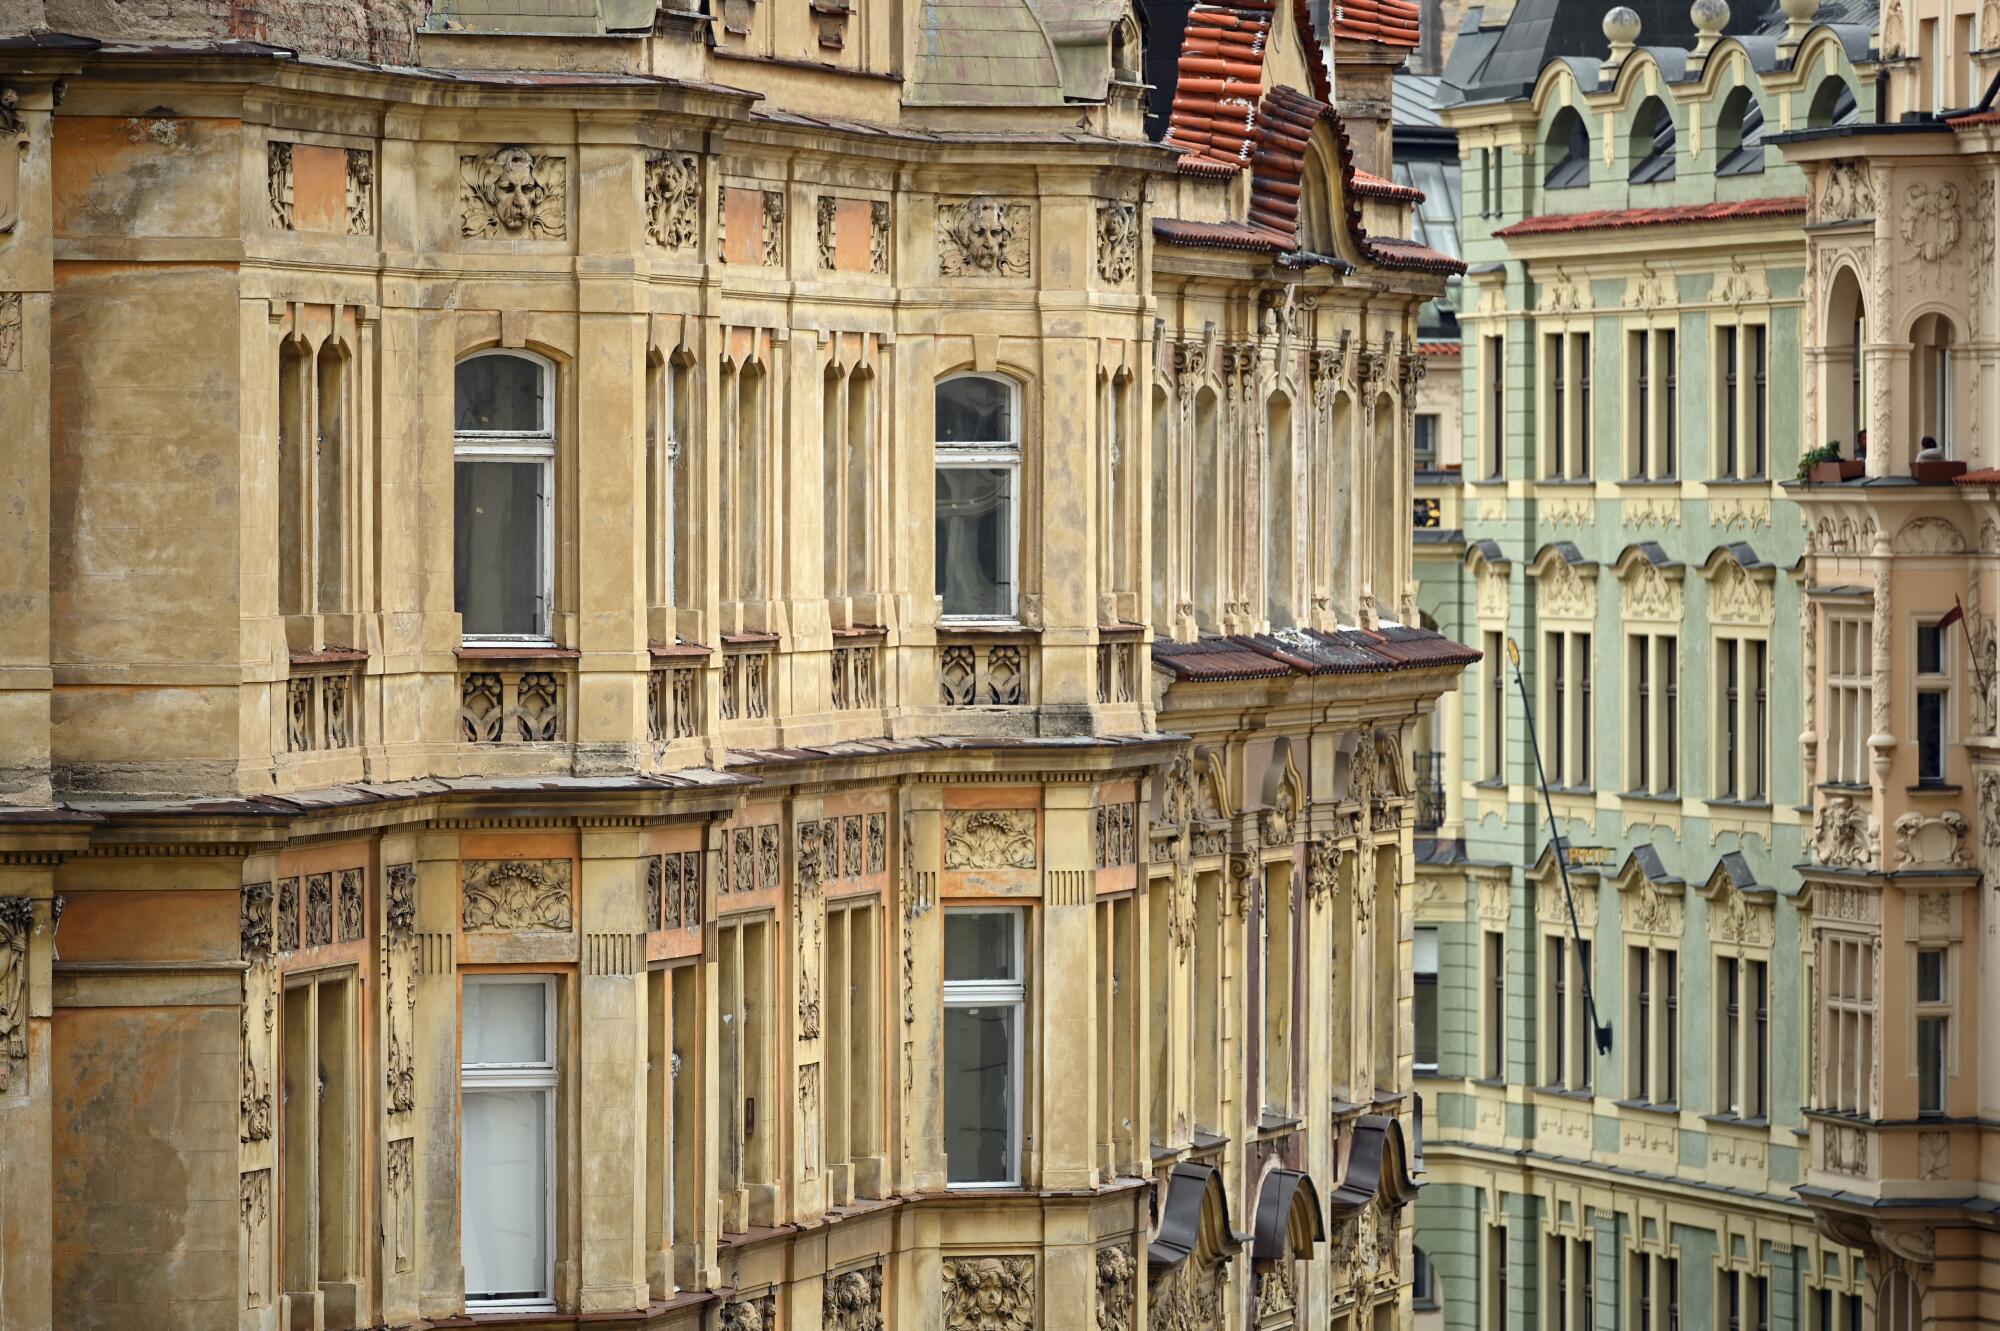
{"x": 1383, "y": 22}
{"x": 1218, "y": 235}
{"x": 1367, "y": 182}
{"x": 1618, "y": 219}
{"x": 1310, "y": 652}
{"x": 1984, "y": 476}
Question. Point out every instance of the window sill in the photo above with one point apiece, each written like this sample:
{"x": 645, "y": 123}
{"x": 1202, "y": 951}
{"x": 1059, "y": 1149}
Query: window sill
{"x": 1649, "y": 482}
{"x": 1269, "y": 1125}
{"x": 329, "y": 656}
{"x": 1731, "y": 802}
{"x": 525, "y": 651}
{"x": 993, "y": 628}
{"x": 1428, "y": 1071}
{"x": 683, "y": 651}
{"x": 1665, "y": 1108}
{"x": 1498, "y": 1083}
{"x": 1729, "y": 482}
{"x": 1737, "y": 1121}
{"x": 1946, "y": 788}
{"x": 861, "y": 632}
{"x": 1651, "y": 797}
{"x": 1565, "y": 482}
{"x": 751, "y": 638}
{"x": 1845, "y": 787}
{"x": 1566, "y": 1092}
{"x": 1208, "y": 1141}
{"x": 1490, "y": 783}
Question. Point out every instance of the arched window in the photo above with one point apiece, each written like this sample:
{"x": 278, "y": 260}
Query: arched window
{"x": 1315, "y": 227}
{"x": 1931, "y": 382}
{"x": 1652, "y": 143}
{"x": 978, "y": 487}
{"x": 669, "y": 539}
{"x": 847, "y": 464}
{"x": 504, "y": 474}
{"x": 1845, "y": 391}
{"x": 1567, "y": 149}
{"x": 317, "y": 492}
{"x": 1739, "y": 135}
{"x": 1832, "y": 104}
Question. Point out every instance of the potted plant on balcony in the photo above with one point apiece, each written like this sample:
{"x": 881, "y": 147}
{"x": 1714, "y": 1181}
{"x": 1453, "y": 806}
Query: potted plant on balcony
{"x": 1825, "y": 466}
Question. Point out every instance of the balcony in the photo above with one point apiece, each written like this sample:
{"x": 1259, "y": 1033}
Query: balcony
{"x": 1428, "y": 772}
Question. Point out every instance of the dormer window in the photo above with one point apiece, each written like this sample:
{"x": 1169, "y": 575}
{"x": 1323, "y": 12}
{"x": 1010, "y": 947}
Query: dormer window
{"x": 1568, "y": 150}
{"x": 1652, "y": 144}
{"x": 1739, "y": 145}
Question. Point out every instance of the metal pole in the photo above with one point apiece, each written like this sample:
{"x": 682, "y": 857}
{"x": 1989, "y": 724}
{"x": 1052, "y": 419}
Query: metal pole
{"x": 1599, "y": 1030}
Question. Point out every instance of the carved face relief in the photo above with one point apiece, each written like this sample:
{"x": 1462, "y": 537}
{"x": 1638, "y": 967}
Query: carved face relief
{"x": 509, "y": 188}
{"x": 511, "y": 193}
{"x": 983, "y": 237}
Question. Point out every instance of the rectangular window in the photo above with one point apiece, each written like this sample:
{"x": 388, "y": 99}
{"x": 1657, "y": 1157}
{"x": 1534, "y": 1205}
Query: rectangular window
{"x": 1666, "y": 649}
{"x": 1667, "y": 373}
{"x": 1933, "y": 1028}
{"x": 977, "y": 493}
{"x": 1275, "y": 971}
{"x": 507, "y": 1088}
{"x": 1496, "y": 407}
{"x": 1653, "y": 1069}
{"x": 852, "y": 1045}
{"x": 673, "y": 1042}
{"x": 1555, "y": 1005}
{"x": 1642, "y": 1292}
{"x": 1427, "y": 440}
{"x": 1496, "y": 708}
{"x": 1639, "y": 403}
{"x": 1496, "y": 1006}
{"x": 743, "y": 1058}
{"x": 1847, "y": 975}
{"x": 1205, "y": 983}
{"x": 1641, "y": 715}
{"x": 1933, "y": 703}
{"x": 1653, "y": 714}
{"x": 1496, "y": 1277}
{"x": 504, "y": 512}
{"x": 1115, "y": 1035}
{"x": 1729, "y": 716}
{"x": 1425, "y": 1001}
{"x": 1727, "y": 402}
{"x": 1670, "y": 1026}
{"x": 985, "y": 996}
{"x": 1640, "y": 980}
{"x": 1729, "y": 1049}
{"x": 1558, "y": 1278}
{"x": 1849, "y": 691}
{"x": 1742, "y": 719}
{"x": 1567, "y": 658}
{"x": 1760, "y": 400}
{"x": 1760, "y": 1040}
{"x": 1555, "y": 429}
{"x": 319, "y": 1193}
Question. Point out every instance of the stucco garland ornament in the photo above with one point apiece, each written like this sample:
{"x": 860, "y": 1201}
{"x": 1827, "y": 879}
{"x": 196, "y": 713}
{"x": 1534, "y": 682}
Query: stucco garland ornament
{"x": 510, "y": 193}
{"x": 989, "y": 1293}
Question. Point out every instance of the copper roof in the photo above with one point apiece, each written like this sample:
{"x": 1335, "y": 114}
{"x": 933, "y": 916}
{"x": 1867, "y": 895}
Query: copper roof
{"x": 1310, "y": 652}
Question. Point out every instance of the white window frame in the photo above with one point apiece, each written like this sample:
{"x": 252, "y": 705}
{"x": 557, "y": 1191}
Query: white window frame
{"x": 988, "y": 453}
{"x": 537, "y": 446}
{"x": 476, "y": 1077}
{"x": 998, "y": 993}
{"x": 1850, "y": 689}
{"x": 1924, "y": 1009}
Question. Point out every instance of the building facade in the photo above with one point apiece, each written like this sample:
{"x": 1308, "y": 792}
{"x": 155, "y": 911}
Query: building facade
{"x": 1633, "y": 322}
{"x": 643, "y": 679}
{"x": 1899, "y": 682}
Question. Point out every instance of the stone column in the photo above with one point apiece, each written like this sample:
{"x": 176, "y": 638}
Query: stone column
{"x": 611, "y": 1066}
{"x": 434, "y": 1070}
{"x": 1064, "y": 1129}
{"x": 919, "y": 1089}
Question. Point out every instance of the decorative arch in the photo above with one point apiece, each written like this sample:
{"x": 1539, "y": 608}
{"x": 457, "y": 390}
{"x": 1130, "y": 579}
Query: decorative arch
{"x": 1651, "y": 143}
{"x": 1185, "y": 1260}
{"x": 1739, "y": 134}
{"x": 1833, "y": 103}
{"x": 1566, "y": 147}
{"x": 1742, "y": 586}
{"x": 1288, "y": 1226}
{"x": 1565, "y": 582}
{"x": 1650, "y": 584}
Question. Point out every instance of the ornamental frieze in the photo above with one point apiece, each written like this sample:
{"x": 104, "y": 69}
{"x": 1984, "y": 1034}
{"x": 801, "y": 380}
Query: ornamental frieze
{"x": 506, "y": 895}
{"x": 989, "y": 839}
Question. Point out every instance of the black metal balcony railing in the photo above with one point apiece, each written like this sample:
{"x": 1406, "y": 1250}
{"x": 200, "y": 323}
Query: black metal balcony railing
{"x": 1429, "y": 771}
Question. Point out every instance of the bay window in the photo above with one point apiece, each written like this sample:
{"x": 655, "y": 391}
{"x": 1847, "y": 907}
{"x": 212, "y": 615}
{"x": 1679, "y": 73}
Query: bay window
{"x": 985, "y": 1001}
{"x": 978, "y": 461}
{"x": 504, "y": 485}
{"x": 1933, "y": 704}
{"x": 507, "y": 1176}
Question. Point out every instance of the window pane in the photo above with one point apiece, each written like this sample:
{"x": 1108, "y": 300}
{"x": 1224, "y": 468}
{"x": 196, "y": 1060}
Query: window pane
{"x": 974, "y": 411}
{"x": 979, "y": 945}
{"x": 1930, "y": 1065}
{"x": 978, "y": 1086}
{"x": 975, "y": 540}
{"x": 506, "y": 1022}
{"x": 505, "y": 1215}
{"x": 500, "y": 393}
{"x": 498, "y": 541}
{"x": 1930, "y": 650}
{"x": 1930, "y": 977}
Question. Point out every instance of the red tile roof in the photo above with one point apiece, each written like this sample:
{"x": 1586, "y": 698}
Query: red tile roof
{"x": 1383, "y": 22}
{"x": 1438, "y": 348}
{"x": 1984, "y": 476}
{"x": 1367, "y": 182}
{"x": 1310, "y": 652}
{"x": 1618, "y": 219}
{"x": 1218, "y": 235}
{"x": 1972, "y": 118}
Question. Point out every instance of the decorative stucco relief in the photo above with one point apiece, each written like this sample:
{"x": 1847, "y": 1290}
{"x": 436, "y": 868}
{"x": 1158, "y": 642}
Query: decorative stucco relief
{"x": 10, "y": 330}
{"x": 1117, "y": 240}
{"x": 878, "y": 237}
{"x": 759, "y": 1313}
{"x": 852, "y": 1301}
{"x": 506, "y": 895}
{"x": 1930, "y": 219}
{"x": 1186, "y": 1298}
{"x": 1928, "y": 536}
{"x": 989, "y": 839}
{"x": 673, "y": 200}
{"x": 989, "y": 1293}
{"x": 360, "y": 192}
{"x": 278, "y": 187}
{"x": 510, "y": 193}
{"x": 1735, "y": 596}
{"x": 1566, "y": 593}
{"x": 1933, "y": 842}
{"x": 399, "y": 945}
{"x": 1650, "y": 593}
{"x": 254, "y": 1217}
{"x": 13, "y": 146}
{"x": 401, "y": 1224}
{"x": 1844, "y": 835}
{"x": 983, "y": 237}
{"x": 1115, "y": 1273}
{"x": 1844, "y": 193}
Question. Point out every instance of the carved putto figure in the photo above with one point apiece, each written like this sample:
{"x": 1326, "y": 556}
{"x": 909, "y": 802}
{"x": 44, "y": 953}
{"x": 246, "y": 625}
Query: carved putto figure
{"x": 852, "y": 1301}
{"x": 673, "y": 200}
{"x": 1115, "y": 1269}
{"x": 989, "y": 1293}
{"x": 510, "y": 193}
{"x": 983, "y": 237}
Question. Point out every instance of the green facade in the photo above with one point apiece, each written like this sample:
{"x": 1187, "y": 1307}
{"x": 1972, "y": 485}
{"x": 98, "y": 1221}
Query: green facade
{"x": 1697, "y": 865}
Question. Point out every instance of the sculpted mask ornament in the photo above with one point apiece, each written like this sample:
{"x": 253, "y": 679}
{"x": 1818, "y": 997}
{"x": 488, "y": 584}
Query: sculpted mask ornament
{"x": 1844, "y": 836}
{"x": 1117, "y": 240}
{"x": 673, "y": 200}
{"x": 1115, "y": 1269}
{"x": 989, "y": 1293}
{"x": 512, "y": 194}
{"x": 983, "y": 237}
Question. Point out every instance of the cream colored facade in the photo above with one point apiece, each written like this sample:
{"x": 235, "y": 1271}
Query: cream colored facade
{"x": 500, "y": 820}
{"x": 1900, "y": 731}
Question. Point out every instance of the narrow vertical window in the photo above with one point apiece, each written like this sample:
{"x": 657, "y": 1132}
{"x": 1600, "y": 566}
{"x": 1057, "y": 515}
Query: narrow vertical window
{"x": 1731, "y": 407}
{"x": 1760, "y": 399}
{"x": 1280, "y": 538}
{"x": 1642, "y": 713}
{"x": 1425, "y": 1000}
{"x": 1553, "y": 443}
{"x": 1558, "y": 1009}
{"x": 1586, "y": 716}
{"x": 1496, "y": 1006}
{"x": 985, "y": 992}
{"x": 1670, "y": 427}
{"x": 507, "y": 1088}
{"x": 1760, "y": 1040}
{"x": 1670, "y": 722}
{"x": 1558, "y": 706}
{"x": 1637, "y": 356}
{"x": 1642, "y": 1024}
{"x": 319, "y": 1193}
{"x": 332, "y": 484}
{"x": 1729, "y": 717}
{"x": 1760, "y": 720}
{"x": 1581, "y": 465}
{"x": 1932, "y": 1026}
{"x": 1670, "y": 1028}
{"x": 1731, "y": 1037}
{"x": 1496, "y": 709}
{"x": 295, "y": 478}
{"x": 1933, "y": 696}
{"x": 1496, "y": 407}
{"x": 503, "y": 517}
